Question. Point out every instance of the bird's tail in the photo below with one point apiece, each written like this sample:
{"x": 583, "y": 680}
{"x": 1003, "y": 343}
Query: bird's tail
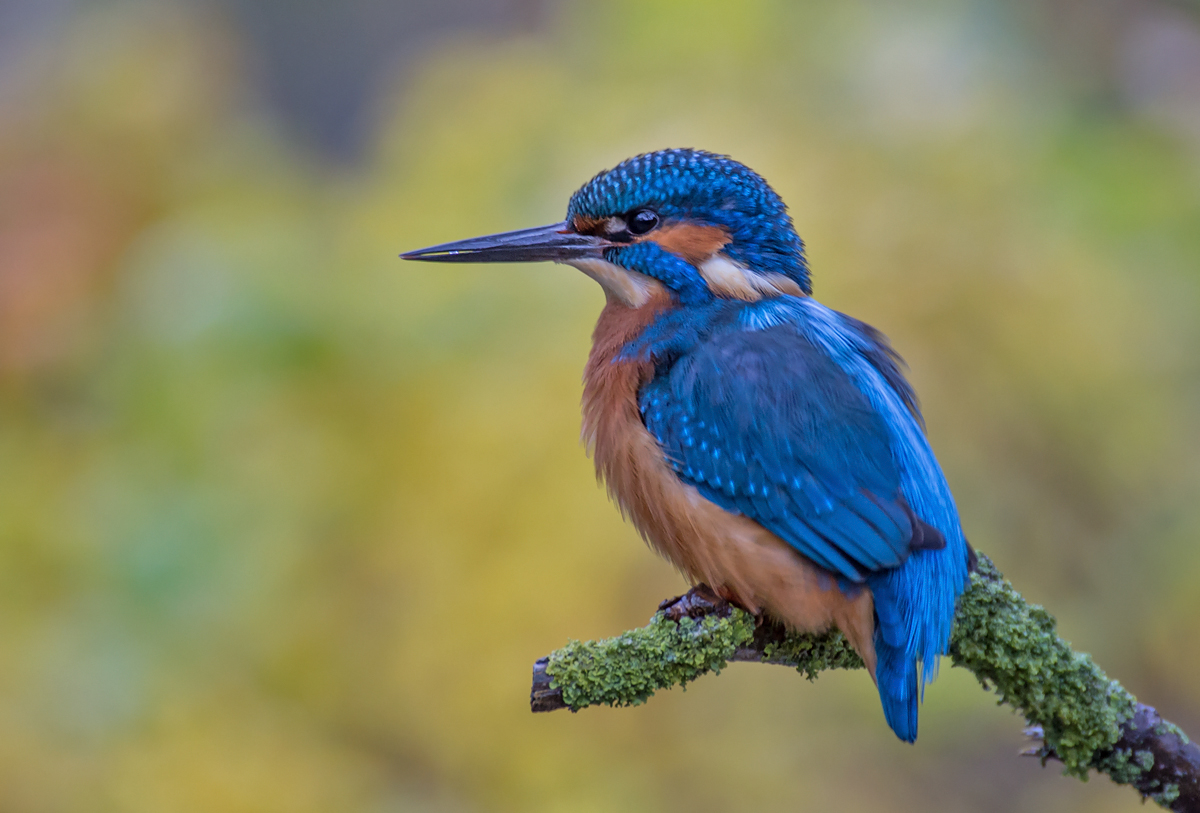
{"x": 896, "y": 673}
{"x": 896, "y": 666}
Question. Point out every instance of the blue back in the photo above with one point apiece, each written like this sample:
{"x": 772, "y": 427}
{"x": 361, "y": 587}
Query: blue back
{"x": 789, "y": 413}
{"x": 799, "y": 418}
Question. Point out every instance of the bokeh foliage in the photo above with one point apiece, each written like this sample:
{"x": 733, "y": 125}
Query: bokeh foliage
{"x": 284, "y": 522}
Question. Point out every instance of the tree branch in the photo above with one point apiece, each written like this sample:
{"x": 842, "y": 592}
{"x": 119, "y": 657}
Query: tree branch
{"x": 1085, "y": 720}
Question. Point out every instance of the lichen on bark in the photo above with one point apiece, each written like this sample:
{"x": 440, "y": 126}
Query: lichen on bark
{"x": 1088, "y": 722}
{"x": 1011, "y": 646}
{"x": 628, "y": 669}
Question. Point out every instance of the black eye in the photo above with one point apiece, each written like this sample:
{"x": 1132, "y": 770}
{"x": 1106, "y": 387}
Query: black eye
{"x": 642, "y": 221}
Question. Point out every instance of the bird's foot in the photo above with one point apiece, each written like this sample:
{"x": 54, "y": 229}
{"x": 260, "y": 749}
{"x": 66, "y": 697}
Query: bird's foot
{"x": 1037, "y": 744}
{"x": 698, "y": 602}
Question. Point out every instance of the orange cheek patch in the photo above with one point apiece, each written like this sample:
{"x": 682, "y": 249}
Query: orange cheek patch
{"x": 692, "y": 241}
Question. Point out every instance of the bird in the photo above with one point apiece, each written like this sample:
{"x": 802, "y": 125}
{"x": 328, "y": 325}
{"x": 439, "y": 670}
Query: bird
{"x": 768, "y": 446}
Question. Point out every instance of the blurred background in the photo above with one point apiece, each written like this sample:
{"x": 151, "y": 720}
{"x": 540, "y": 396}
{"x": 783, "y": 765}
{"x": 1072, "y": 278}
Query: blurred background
{"x": 284, "y": 522}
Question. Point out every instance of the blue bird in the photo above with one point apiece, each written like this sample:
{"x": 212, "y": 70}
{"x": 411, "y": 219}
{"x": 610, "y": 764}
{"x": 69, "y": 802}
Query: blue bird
{"x": 766, "y": 445}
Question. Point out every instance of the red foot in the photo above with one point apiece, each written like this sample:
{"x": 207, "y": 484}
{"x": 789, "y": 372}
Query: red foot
{"x": 698, "y": 602}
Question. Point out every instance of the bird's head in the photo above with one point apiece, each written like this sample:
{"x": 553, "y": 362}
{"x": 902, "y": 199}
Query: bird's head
{"x": 690, "y": 224}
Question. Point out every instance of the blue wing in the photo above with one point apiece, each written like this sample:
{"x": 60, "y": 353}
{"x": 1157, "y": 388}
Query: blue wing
{"x": 765, "y": 423}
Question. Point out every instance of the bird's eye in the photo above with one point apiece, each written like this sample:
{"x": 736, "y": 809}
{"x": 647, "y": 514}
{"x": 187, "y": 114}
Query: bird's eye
{"x": 642, "y": 221}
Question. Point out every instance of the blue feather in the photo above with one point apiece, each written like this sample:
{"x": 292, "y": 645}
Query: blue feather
{"x": 789, "y": 414}
{"x": 801, "y": 419}
{"x": 687, "y": 183}
{"x": 780, "y": 410}
{"x": 896, "y": 673}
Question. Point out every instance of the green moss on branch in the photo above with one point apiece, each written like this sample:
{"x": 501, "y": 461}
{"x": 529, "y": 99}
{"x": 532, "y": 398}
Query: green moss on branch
{"x": 1088, "y": 721}
{"x": 1011, "y": 646}
{"x": 628, "y": 669}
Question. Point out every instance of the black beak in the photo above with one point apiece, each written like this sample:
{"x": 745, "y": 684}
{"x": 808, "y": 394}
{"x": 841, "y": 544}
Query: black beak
{"x": 556, "y": 243}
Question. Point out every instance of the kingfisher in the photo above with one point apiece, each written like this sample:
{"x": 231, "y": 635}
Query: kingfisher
{"x": 767, "y": 445}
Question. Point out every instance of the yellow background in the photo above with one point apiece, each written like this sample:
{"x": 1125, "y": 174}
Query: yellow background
{"x": 284, "y": 521}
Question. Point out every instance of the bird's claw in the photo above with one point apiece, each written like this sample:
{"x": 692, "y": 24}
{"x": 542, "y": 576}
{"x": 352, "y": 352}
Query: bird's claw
{"x": 698, "y": 602}
{"x": 1037, "y": 745}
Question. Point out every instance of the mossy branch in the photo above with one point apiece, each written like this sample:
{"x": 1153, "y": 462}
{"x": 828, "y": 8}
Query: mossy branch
{"x": 1086, "y": 721}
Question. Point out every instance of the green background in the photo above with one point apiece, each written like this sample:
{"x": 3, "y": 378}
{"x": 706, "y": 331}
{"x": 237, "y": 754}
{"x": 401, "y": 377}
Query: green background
{"x": 284, "y": 521}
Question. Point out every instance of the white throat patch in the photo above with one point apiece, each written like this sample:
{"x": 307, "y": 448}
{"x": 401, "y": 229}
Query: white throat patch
{"x": 724, "y": 277}
{"x": 628, "y": 287}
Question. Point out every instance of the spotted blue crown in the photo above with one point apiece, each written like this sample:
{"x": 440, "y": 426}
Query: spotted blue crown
{"x": 702, "y": 187}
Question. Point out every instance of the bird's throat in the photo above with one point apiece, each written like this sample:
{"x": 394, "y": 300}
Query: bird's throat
{"x": 629, "y": 289}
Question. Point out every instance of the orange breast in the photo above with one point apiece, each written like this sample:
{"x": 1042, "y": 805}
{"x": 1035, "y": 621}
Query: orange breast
{"x": 729, "y": 552}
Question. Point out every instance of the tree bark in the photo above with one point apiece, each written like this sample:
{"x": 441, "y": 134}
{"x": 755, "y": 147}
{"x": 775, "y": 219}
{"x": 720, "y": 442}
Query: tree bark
{"x": 1084, "y": 720}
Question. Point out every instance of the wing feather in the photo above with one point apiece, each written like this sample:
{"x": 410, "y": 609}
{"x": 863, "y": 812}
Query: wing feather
{"x": 766, "y": 424}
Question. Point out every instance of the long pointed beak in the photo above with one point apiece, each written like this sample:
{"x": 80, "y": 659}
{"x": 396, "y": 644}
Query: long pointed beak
{"x": 556, "y": 243}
